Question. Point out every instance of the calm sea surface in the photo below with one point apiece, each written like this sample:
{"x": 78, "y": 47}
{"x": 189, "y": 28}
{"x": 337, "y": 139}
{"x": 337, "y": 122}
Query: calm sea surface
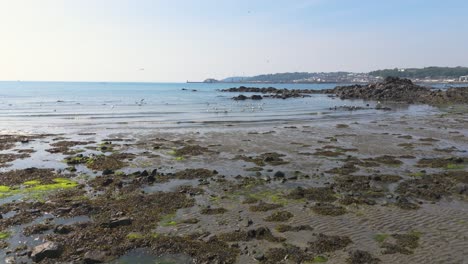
{"x": 43, "y": 107}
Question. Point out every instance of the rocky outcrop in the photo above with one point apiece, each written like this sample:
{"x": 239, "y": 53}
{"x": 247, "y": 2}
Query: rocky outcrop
{"x": 270, "y": 92}
{"x": 392, "y": 89}
{"x": 401, "y": 90}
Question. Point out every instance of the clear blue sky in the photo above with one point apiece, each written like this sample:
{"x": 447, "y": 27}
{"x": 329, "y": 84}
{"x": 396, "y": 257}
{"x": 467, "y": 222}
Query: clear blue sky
{"x": 151, "y": 40}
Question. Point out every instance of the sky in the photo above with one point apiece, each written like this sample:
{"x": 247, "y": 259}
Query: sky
{"x": 180, "y": 40}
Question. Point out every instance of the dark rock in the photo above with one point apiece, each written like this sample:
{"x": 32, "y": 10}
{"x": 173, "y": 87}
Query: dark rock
{"x": 116, "y": 222}
{"x": 46, "y": 250}
{"x": 62, "y": 229}
{"x": 240, "y": 97}
{"x": 107, "y": 182}
{"x": 256, "y": 97}
{"x": 279, "y": 174}
{"x": 107, "y": 172}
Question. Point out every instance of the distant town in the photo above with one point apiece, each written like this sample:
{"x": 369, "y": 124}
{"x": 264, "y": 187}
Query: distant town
{"x": 422, "y": 75}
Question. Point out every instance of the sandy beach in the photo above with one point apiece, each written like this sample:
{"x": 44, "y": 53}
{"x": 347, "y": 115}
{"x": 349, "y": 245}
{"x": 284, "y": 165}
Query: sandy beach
{"x": 388, "y": 189}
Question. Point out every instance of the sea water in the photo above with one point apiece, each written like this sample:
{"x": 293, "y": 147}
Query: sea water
{"x": 61, "y": 107}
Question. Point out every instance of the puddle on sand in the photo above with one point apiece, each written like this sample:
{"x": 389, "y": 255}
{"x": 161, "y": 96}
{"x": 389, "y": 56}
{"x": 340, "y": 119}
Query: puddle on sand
{"x": 142, "y": 256}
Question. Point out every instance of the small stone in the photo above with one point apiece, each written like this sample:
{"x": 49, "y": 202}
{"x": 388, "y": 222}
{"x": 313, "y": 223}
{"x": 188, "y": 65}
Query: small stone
{"x": 259, "y": 256}
{"x": 94, "y": 256}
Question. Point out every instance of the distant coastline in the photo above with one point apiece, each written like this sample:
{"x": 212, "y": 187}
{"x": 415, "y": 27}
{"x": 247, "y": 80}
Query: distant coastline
{"x": 435, "y": 81}
{"x": 428, "y": 75}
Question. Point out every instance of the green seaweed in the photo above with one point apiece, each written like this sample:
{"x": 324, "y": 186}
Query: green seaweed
{"x": 119, "y": 173}
{"x": 319, "y": 259}
{"x": 135, "y": 236}
{"x": 35, "y": 189}
{"x": 381, "y": 237}
{"x": 168, "y": 220}
{"x": 452, "y": 166}
{"x": 4, "y": 189}
{"x": 32, "y": 182}
{"x": 270, "y": 196}
{"x": 417, "y": 174}
{"x": 59, "y": 183}
{"x": 4, "y": 235}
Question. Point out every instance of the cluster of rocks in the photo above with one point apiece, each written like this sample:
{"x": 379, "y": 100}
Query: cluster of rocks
{"x": 269, "y": 92}
{"x": 243, "y": 97}
{"x": 401, "y": 90}
{"x": 391, "y": 89}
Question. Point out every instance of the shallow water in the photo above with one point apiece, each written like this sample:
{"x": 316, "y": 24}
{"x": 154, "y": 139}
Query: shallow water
{"x": 61, "y": 107}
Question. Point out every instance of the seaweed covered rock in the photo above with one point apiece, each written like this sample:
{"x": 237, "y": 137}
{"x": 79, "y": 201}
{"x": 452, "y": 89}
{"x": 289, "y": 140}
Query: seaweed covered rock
{"x": 401, "y": 90}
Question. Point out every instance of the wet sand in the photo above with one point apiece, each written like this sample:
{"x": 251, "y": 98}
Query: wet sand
{"x": 386, "y": 188}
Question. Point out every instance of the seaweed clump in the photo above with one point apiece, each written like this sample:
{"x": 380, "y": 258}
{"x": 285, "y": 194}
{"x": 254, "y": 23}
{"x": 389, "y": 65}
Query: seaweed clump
{"x": 320, "y": 194}
{"x": 279, "y": 216}
{"x": 402, "y": 243}
{"x": 270, "y": 158}
{"x": 288, "y": 228}
{"x": 263, "y": 207}
{"x": 328, "y": 209}
{"x": 361, "y": 257}
{"x": 325, "y": 243}
{"x": 190, "y": 174}
{"x": 261, "y": 233}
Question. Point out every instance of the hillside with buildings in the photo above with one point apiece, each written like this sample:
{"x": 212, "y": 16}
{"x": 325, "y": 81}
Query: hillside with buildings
{"x": 428, "y": 74}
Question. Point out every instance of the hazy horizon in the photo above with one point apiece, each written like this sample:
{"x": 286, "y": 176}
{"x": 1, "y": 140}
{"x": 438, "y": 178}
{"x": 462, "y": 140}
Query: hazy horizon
{"x": 156, "y": 41}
